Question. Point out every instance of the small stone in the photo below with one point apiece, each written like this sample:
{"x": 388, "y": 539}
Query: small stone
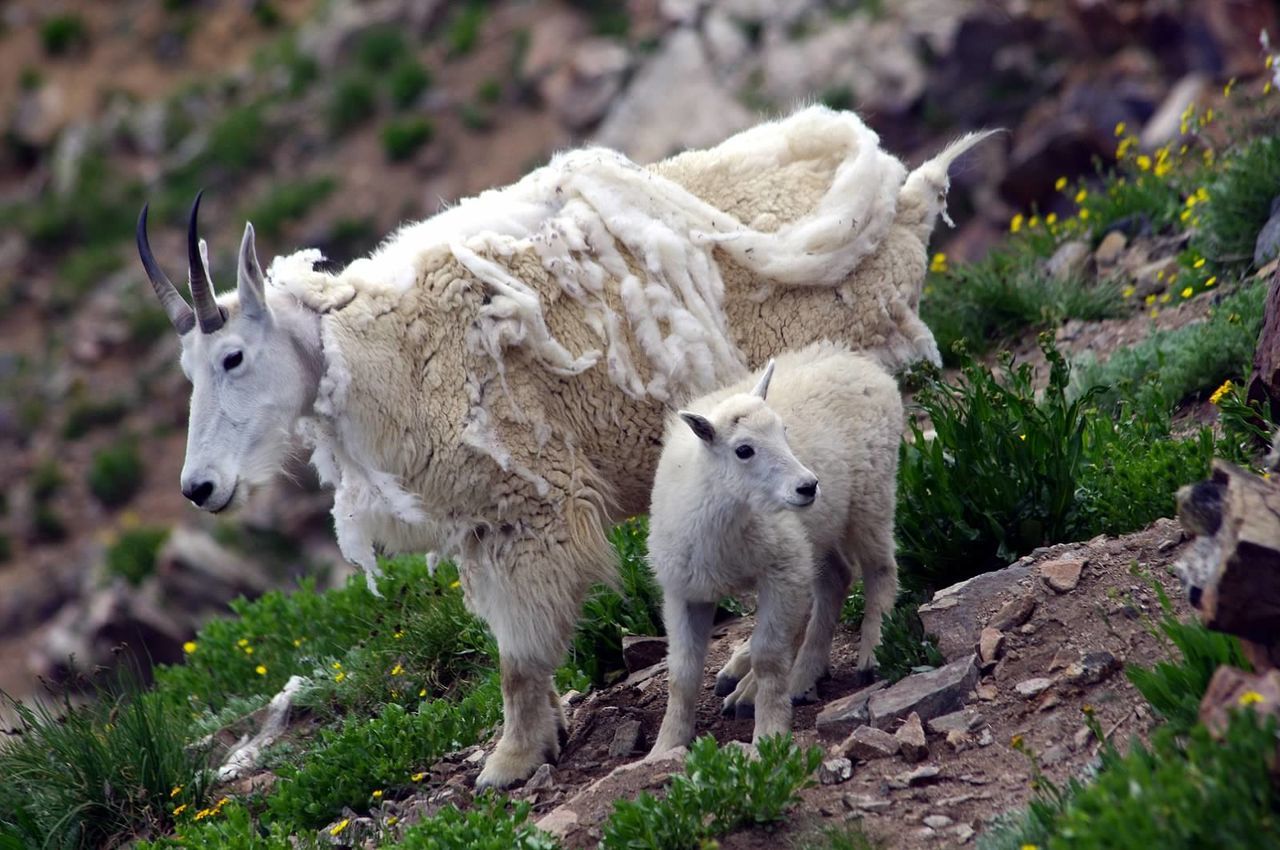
{"x": 625, "y": 739}
{"x": 1063, "y": 659}
{"x": 990, "y": 645}
{"x": 921, "y": 775}
{"x": 1092, "y": 669}
{"x": 937, "y": 821}
{"x": 1014, "y": 613}
{"x": 835, "y": 771}
{"x": 962, "y": 720}
{"x": 1062, "y": 575}
{"x": 928, "y": 694}
{"x": 975, "y": 779}
{"x": 963, "y": 833}
{"x": 864, "y": 803}
{"x": 1050, "y": 700}
{"x": 867, "y": 743}
{"x": 1267, "y": 245}
{"x": 958, "y": 740}
{"x": 1033, "y": 687}
{"x": 985, "y": 739}
{"x": 842, "y": 716}
{"x": 1081, "y": 738}
{"x": 1153, "y": 278}
{"x": 571, "y": 698}
{"x": 1069, "y": 261}
{"x": 1109, "y": 248}
{"x": 559, "y": 822}
{"x": 1053, "y": 755}
{"x": 911, "y": 739}
{"x": 1026, "y": 629}
{"x": 987, "y": 692}
{"x": 475, "y": 758}
{"x": 542, "y": 779}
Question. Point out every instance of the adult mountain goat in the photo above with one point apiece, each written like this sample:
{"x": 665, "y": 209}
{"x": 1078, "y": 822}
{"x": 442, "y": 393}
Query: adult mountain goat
{"x": 490, "y": 384}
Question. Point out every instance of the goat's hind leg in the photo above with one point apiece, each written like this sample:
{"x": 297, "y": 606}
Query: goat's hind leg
{"x": 830, "y": 587}
{"x": 688, "y": 632}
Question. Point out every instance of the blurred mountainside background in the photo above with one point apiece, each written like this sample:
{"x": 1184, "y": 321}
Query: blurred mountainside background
{"x": 329, "y": 122}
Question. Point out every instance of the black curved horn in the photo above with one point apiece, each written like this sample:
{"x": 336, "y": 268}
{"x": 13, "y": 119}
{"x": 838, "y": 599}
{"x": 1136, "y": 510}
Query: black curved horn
{"x": 208, "y": 313}
{"x": 175, "y": 306}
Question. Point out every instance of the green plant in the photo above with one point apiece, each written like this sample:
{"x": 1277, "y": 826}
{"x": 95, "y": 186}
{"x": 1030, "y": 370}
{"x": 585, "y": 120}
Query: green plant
{"x": 464, "y": 28}
{"x": 288, "y": 202}
{"x": 903, "y": 643}
{"x": 380, "y": 48}
{"x": 1247, "y": 426}
{"x": 345, "y": 765}
{"x": 46, "y": 480}
{"x": 98, "y": 774}
{"x": 489, "y": 92}
{"x": 133, "y": 556}
{"x": 229, "y": 825}
{"x": 402, "y": 138}
{"x": 855, "y": 605}
{"x": 116, "y": 473}
{"x": 48, "y": 524}
{"x": 407, "y": 81}
{"x": 30, "y": 79}
{"x": 6, "y": 548}
{"x": 352, "y": 102}
{"x": 851, "y": 837}
{"x": 720, "y": 790}
{"x": 81, "y": 270}
{"x": 239, "y": 141}
{"x": 1239, "y": 203}
{"x": 1174, "y": 688}
{"x": 85, "y": 415}
{"x": 495, "y": 824}
{"x": 61, "y": 34}
{"x": 476, "y": 117}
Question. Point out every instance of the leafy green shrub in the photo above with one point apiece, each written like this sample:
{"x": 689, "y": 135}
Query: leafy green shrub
{"x": 232, "y": 826}
{"x": 464, "y": 29}
{"x": 288, "y": 202}
{"x": 46, "y": 480}
{"x": 407, "y": 81}
{"x": 634, "y": 609}
{"x": 133, "y": 556}
{"x": 476, "y": 117}
{"x": 402, "y": 138}
{"x": 239, "y": 141}
{"x": 489, "y": 92}
{"x": 1174, "y": 688}
{"x": 62, "y": 34}
{"x": 85, "y": 415}
{"x": 903, "y": 644}
{"x": 352, "y": 102}
{"x": 95, "y": 775}
{"x": 48, "y": 524}
{"x": 380, "y": 48}
{"x": 721, "y": 790}
{"x": 1239, "y": 202}
{"x": 495, "y": 824}
{"x": 81, "y": 270}
{"x": 608, "y": 18}
{"x": 116, "y": 472}
{"x": 1133, "y": 196}
{"x": 345, "y": 765}
{"x": 1169, "y": 365}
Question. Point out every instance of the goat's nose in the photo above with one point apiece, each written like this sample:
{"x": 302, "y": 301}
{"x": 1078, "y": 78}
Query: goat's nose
{"x": 198, "y": 493}
{"x": 808, "y": 489}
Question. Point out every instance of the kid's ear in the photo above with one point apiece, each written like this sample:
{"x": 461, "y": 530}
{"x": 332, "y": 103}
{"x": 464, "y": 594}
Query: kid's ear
{"x": 704, "y": 429}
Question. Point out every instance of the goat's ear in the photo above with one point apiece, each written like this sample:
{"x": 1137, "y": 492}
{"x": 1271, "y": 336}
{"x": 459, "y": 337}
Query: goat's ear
{"x": 700, "y": 425}
{"x": 249, "y": 281}
{"x": 762, "y": 386}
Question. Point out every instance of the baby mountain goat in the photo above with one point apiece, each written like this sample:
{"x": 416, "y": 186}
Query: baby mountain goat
{"x": 737, "y": 506}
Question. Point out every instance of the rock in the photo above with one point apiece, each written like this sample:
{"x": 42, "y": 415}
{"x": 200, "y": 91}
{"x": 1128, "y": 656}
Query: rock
{"x": 920, "y": 776}
{"x": 955, "y": 614}
{"x": 990, "y": 645}
{"x": 1033, "y": 687}
{"x": 1153, "y": 278}
{"x": 834, "y": 771}
{"x": 911, "y": 739}
{"x": 553, "y": 30}
{"x": 937, "y": 821}
{"x": 1014, "y": 613}
{"x": 841, "y": 716}
{"x": 38, "y": 116}
{"x": 867, "y": 743}
{"x": 727, "y": 43}
{"x": 1232, "y": 690}
{"x": 1165, "y": 125}
{"x": 928, "y": 694}
{"x": 962, "y": 721}
{"x": 1267, "y": 246}
{"x": 1092, "y": 669}
{"x": 642, "y": 651}
{"x": 987, "y": 692}
{"x": 1053, "y": 755}
{"x": 625, "y": 739}
{"x": 580, "y": 91}
{"x": 1062, "y": 575}
{"x": 349, "y": 830}
{"x": 1108, "y": 250}
{"x": 963, "y": 833}
{"x": 1081, "y": 738}
{"x": 559, "y": 822}
{"x": 1070, "y": 261}
{"x": 958, "y": 740}
{"x": 543, "y": 779}
{"x": 1063, "y": 658}
{"x": 864, "y": 803}
{"x": 674, "y": 102}
{"x": 986, "y": 739}
{"x": 475, "y": 758}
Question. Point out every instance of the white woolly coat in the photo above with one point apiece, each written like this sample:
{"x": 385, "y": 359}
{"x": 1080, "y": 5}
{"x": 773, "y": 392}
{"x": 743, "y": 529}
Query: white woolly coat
{"x": 496, "y": 377}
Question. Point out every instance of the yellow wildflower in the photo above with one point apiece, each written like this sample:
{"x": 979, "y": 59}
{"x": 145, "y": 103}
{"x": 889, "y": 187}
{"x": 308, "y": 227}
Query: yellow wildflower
{"x": 422, "y": 693}
{"x": 1016, "y": 742}
{"x": 1226, "y": 90}
{"x": 1060, "y": 183}
{"x": 189, "y": 647}
{"x": 1202, "y": 194}
{"x": 1120, "y": 127}
{"x": 242, "y": 643}
{"x": 1208, "y": 115}
{"x": 377, "y": 794}
{"x": 297, "y": 641}
{"x": 1188, "y": 292}
{"x": 1266, "y": 87}
{"x": 1150, "y": 299}
{"x": 1087, "y": 709}
{"x": 418, "y": 777}
{"x": 1051, "y": 219}
{"x": 1030, "y": 847}
{"x": 397, "y": 670}
{"x": 260, "y": 670}
{"x": 393, "y": 820}
{"x": 1198, "y": 264}
{"x": 1154, "y": 312}
{"x": 339, "y": 826}
{"x": 1126, "y": 144}
{"x": 1251, "y": 697}
{"x": 456, "y": 584}
{"x": 398, "y": 635}
{"x": 248, "y": 650}
{"x": 1166, "y": 298}
{"x": 1211, "y": 281}
{"x": 1127, "y": 292}
{"x": 1186, "y": 214}
{"x": 1033, "y": 222}
{"x": 175, "y": 791}
{"x": 1144, "y": 162}
{"x": 1084, "y": 214}
{"x": 1015, "y": 223}
{"x": 1081, "y": 195}
{"x": 339, "y": 677}
{"x": 180, "y": 810}
{"x": 1022, "y": 437}
{"x": 938, "y": 264}
{"x": 1270, "y": 61}
{"x": 1220, "y": 392}
{"x": 337, "y": 665}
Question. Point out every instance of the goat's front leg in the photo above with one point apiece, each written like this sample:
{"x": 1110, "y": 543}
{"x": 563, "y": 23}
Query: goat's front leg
{"x": 831, "y": 585}
{"x": 783, "y": 609}
{"x": 688, "y": 632}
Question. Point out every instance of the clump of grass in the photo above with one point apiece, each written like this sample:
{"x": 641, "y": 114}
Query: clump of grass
{"x": 464, "y": 28}
{"x": 406, "y": 82}
{"x": 1239, "y": 202}
{"x": 402, "y": 138}
{"x": 352, "y": 102}
{"x": 476, "y": 117}
{"x": 380, "y": 48}
{"x": 489, "y": 92}
{"x": 288, "y": 202}
{"x": 116, "y": 473}
{"x": 46, "y": 480}
{"x": 85, "y": 415}
{"x": 720, "y": 791}
{"x": 904, "y": 645}
{"x": 99, "y": 774}
{"x": 495, "y": 824}
{"x": 239, "y": 141}
{"x": 61, "y": 34}
{"x": 81, "y": 270}
{"x": 133, "y": 556}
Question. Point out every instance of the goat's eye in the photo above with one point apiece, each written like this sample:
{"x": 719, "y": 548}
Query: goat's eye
{"x": 232, "y": 360}
{"x": 744, "y": 451}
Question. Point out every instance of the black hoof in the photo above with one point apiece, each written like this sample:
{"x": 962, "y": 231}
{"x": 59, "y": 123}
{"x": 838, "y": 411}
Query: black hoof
{"x": 862, "y": 678}
{"x": 562, "y": 735}
{"x": 744, "y": 711}
{"x": 725, "y": 685}
{"x": 804, "y": 699}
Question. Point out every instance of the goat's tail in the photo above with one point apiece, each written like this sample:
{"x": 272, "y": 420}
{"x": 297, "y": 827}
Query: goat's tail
{"x": 924, "y": 194}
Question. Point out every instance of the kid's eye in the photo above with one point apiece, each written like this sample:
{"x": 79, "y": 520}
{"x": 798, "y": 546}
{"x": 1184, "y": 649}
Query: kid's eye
{"x": 744, "y": 451}
{"x": 232, "y": 360}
